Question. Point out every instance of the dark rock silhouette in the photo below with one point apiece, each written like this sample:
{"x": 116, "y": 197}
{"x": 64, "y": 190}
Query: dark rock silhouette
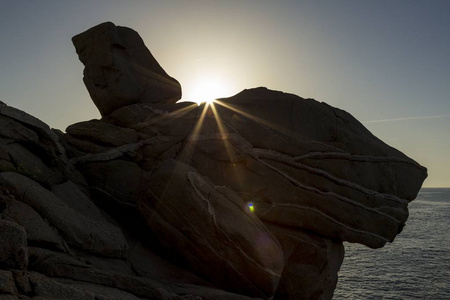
{"x": 249, "y": 197}
{"x": 120, "y": 70}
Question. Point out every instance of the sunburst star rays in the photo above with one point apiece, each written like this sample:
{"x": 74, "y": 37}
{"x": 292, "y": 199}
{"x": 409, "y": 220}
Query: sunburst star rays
{"x": 256, "y": 119}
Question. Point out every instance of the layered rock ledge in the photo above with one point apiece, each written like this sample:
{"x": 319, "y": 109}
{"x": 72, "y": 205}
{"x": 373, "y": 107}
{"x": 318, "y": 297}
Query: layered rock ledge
{"x": 249, "y": 197}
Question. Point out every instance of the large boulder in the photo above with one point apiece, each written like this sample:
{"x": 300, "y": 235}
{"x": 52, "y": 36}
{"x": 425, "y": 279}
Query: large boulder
{"x": 264, "y": 145}
{"x": 322, "y": 137}
{"x": 250, "y": 196}
{"x": 46, "y": 138}
{"x": 78, "y": 230}
{"x": 211, "y": 226}
{"x": 270, "y": 150}
{"x": 103, "y": 133}
{"x": 31, "y": 164}
{"x": 312, "y": 264}
{"x": 37, "y": 229}
{"x": 313, "y": 173}
{"x": 28, "y": 146}
{"x": 105, "y": 281}
{"x": 120, "y": 70}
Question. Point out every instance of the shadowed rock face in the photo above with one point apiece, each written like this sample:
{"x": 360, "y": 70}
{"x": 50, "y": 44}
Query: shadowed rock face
{"x": 56, "y": 243}
{"x": 313, "y": 166}
{"x": 254, "y": 194}
{"x": 211, "y": 227}
{"x": 120, "y": 70}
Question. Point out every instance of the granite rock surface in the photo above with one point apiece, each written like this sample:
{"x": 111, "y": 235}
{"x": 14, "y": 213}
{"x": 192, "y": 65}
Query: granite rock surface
{"x": 120, "y": 70}
{"x": 249, "y": 197}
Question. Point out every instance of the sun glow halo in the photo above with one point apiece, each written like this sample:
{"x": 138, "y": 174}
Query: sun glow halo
{"x": 207, "y": 90}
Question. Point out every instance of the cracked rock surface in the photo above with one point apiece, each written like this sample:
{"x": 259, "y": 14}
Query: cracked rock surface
{"x": 249, "y": 197}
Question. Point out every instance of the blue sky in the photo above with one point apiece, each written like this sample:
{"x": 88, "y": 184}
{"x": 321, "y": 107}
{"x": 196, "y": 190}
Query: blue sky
{"x": 386, "y": 62}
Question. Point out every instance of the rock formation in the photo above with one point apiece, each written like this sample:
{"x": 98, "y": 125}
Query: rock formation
{"x": 120, "y": 70}
{"x": 251, "y": 196}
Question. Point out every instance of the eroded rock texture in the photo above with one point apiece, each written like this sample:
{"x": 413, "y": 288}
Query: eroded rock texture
{"x": 120, "y": 70}
{"x": 57, "y": 243}
{"x": 249, "y": 197}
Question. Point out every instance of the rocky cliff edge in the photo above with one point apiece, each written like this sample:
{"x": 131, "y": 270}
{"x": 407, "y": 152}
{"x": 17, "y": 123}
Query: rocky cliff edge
{"x": 249, "y": 197}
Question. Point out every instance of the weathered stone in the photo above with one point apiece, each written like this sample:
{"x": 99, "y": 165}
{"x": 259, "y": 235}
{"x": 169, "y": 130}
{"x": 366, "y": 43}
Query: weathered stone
{"x": 118, "y": 181}
{"x": 311, "y": 264}
{"x": 14, "y": 130}
{"x": 103, "y": 133}
{"x": 65, "y": 267}
{"x": 28, "y": 146}
{"x": 5, "y": 160}
{"x": 38, "y": 231}
{"x": 32, "y": 166}
{"x": 16, "y": 297}
{"x": 208, "y": 225}
{"x": 76, "y": 199}
{"x": 13, "y": 246}
{"x": 338, "y": 135}
{"x": 120, "y": 70}
{"x": 7, "y": 284}
{"x": 78, "y": 230}
{"x": 287, "y": 191}
{"x": 22, "y": 282}
{"x": 192, "y": 184}
{"x": 80, "y": 147}
{"x": 47, "y": 138}
{"x": 47, "y": 287}
{"x": 277, "y": 196}
{"x": 110, "y": 264}
{"x": 99, "y": 292}
{"x": 195, "y": 292}
{"x": 51, "y": 263}
{"x": 159, "y": 149}
{"x": 148, "y": 264}
{"x": 154, "y": 116}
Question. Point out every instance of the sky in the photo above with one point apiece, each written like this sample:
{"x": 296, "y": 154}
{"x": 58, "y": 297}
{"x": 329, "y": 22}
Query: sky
{"x": 385, "y": 62}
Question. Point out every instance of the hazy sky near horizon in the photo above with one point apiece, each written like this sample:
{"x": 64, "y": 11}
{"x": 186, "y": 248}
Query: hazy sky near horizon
{"x": 385, "y": 62}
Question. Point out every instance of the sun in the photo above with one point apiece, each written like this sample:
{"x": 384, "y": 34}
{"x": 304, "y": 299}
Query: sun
{"x": 207, "y": 90}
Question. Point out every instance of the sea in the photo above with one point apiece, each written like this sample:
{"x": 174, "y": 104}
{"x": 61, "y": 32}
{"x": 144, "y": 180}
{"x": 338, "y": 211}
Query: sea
{"x": 415, "y": 266}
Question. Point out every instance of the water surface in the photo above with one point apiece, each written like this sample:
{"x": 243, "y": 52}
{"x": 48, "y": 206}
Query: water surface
{"x": 415, "y": 266}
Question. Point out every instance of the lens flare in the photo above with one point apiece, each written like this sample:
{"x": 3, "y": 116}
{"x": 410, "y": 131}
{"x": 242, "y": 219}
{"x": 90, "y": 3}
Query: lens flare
{"x": 251, "y": 207}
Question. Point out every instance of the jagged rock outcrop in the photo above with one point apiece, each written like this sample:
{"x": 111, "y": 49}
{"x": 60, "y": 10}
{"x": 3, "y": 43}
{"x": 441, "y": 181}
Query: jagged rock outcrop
{"x": 249, "y": 197}
{"x": 56, "y": 243}
{"x": 321, "y": 169}
{"x": 120, "y": 70}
